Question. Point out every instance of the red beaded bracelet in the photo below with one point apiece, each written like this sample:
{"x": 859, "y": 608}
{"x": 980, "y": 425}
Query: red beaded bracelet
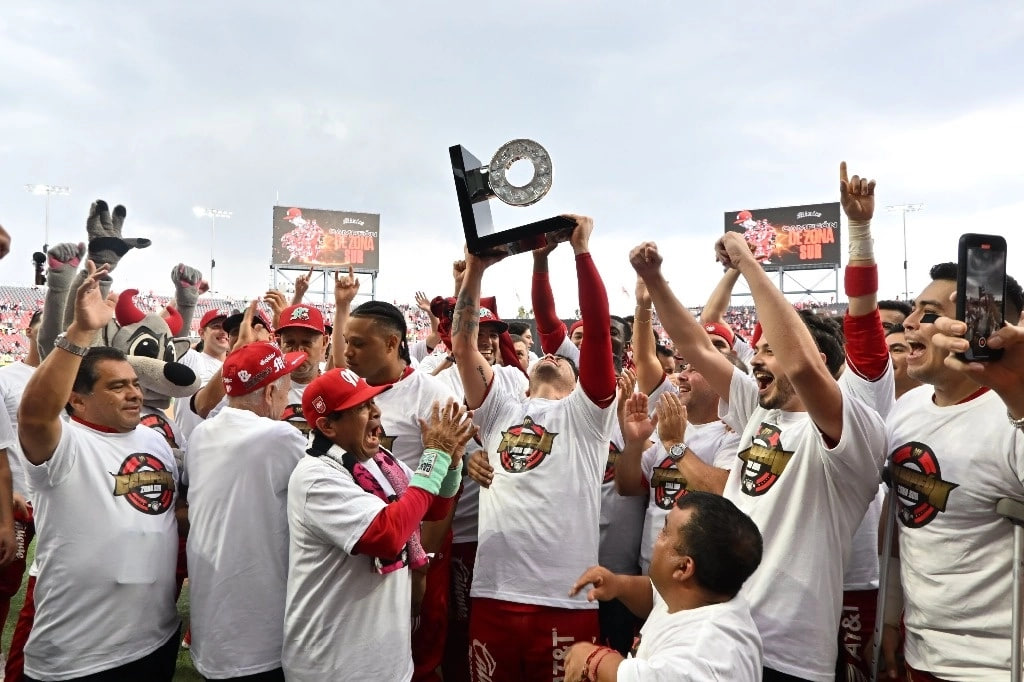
{"x": 586, "y": 665}
{"x": 592, "y": 676}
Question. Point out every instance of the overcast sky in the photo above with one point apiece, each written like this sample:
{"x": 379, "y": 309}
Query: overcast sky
{"x": 659, "y": 117}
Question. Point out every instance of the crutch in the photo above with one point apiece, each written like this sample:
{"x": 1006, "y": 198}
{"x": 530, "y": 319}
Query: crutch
{"x": 1013, "y": 510}
{"x": 883, "y": 573}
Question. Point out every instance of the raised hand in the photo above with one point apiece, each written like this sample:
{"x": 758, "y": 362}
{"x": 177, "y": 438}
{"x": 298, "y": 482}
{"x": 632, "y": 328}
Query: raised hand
{"x": 106, "y": 245}
{"x": 731, "y": 249}
{"x": 448, "y": 428}
{"x": 276, "y": 301}
{"x": 637, "y": 427}
{"x": 92, "y": 310}
{"x": 423, "y": 303}
{"x": 672, "y": 419}
{"x": 857, "y": 195}
{"x": 645, "y": 259}
{"x": 345, "y": 287}
{"x": 580, "y": 239}
{"x": 302, "y": 285}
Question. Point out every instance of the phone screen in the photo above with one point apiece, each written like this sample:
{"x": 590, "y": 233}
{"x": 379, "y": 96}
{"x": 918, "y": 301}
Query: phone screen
{"x": 983, "y": 294}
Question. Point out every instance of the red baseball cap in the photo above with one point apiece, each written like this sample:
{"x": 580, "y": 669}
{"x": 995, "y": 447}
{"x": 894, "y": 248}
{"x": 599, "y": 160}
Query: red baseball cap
{"x": 488, "y": 317}
{"x": 212, "y": 315}
{"x": 742, "y": 217}
{"x": 302, "y": 315}
{"x": 334, "y": 391}
{"x": 719, "y": 329}
{"x": 255, "y": 365}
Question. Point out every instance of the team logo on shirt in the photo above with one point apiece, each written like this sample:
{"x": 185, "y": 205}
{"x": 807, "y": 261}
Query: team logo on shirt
{"x": 161, "y": 426}
{"x": 609, "y": 467}
{"x": 144, "y": 481}
{"x": 765, "y": 461}
{"x": 919, "y": 486}
{"x": 668, "y": 484}
{"x": 293, "y": 415}
{"x": 525, "y": 446}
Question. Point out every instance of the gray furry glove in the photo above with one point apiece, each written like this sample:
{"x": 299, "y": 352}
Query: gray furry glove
{"x": 106, "y": 245}
{"x": 188, "y": 284}
{"x": 62, "y": 261}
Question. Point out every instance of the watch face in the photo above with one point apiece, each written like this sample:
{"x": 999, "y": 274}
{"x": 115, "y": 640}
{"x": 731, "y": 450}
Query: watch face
{"x": 676, "y": 452}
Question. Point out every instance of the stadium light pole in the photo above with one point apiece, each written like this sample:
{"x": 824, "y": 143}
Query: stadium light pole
{"x": 905, "y": 209}
{"x": 212, "y": 214}
{"x": 48, "y": 191}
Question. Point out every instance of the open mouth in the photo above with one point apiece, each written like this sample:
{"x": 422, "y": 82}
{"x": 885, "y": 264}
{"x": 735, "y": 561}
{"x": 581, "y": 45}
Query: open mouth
{"x": 916, "y": 350}
{"x": 373, "y": 437}
{"x": 764, "y": 380}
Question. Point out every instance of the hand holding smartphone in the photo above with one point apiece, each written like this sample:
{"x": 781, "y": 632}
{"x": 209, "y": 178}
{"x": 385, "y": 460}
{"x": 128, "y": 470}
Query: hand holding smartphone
{"x": 980, "y": 293}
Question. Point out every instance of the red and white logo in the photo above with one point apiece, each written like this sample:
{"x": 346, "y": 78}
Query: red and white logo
{"x": 145, "y": 483}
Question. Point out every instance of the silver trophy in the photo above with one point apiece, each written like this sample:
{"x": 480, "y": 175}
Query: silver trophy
{"x": 476, "y": 184}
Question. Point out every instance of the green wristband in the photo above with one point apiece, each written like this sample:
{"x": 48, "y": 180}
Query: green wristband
{"x": 450, "y": 484}
{"x": 431, "y": 471}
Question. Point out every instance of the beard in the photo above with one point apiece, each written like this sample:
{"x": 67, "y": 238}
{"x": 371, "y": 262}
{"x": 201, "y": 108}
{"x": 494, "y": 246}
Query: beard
{"x": 782, "y": 392}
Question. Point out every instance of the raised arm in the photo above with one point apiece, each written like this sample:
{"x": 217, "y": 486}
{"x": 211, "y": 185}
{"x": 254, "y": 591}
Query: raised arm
{"x": 550, "y": 328}
{"x": 345, "y": 289}
{"x": 649, "y": 373}
{"x": 433, "y": 338}
{"x": 718, "y": 302}
{"x": 866, "y": 351}
{"x": 301, "y": 286}
{"x": 597, "y": 369}
{"x": 474, "y": 370}
{"x": 789, "y": 339}
{"x": 636, "y": 430}
{"x": 48, "y": 391}
{"x": 690, "y": 339}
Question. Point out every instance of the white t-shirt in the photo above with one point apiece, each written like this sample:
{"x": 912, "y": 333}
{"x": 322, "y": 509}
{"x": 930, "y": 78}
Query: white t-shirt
{"x": 952, "y": 465}
{"x": 714, "y": 444}
{"x": 343, "y": 620}
{"x": 807, "y": 500}
{"x": 13, "y": 379}
{"x": 401, "y": 408}
{"x": 205, "y": 366}
{"x": 237, "y": 468}
{"x": 622, "y": 517}
{"x": 107, "y": 546}
{"x": 711, "y": 643}
{"x": 539, "y": 519}
{"x": 431, "y": 362}
{"x": 510, "y": 379}
{"x": 861, "y": 570}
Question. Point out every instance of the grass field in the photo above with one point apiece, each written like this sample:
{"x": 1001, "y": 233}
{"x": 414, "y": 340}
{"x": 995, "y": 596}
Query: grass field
{"x": 184, "y": 673}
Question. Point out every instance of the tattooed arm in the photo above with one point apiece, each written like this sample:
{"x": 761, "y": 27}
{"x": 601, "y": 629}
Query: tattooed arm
{"x": 475, "y": 371}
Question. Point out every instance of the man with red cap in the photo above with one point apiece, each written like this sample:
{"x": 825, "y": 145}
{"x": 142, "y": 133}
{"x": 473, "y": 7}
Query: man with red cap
{"x": 237, "y": 467}
{"x": 204, "y": 363}
{"x": 301, "y": 328}
{"x": 354, "y": 513}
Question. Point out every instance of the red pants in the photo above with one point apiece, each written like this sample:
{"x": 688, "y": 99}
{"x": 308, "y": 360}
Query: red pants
{"x": 856, "y": 631}
{"x": 14, "y": 671}
{"x": 524, "y": 643}
{"x": 456, "y": 649}
{"x": 12, "y": 574}
{"x": 429, "y": 637}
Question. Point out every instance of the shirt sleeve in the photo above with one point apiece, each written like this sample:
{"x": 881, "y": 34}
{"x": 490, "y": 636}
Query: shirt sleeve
{"x": 55, "y": 470}
{"x": 742, "y": 401}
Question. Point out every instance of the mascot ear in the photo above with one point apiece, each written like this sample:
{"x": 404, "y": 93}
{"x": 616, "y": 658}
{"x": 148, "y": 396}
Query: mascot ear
{"x": 181, "y": 347}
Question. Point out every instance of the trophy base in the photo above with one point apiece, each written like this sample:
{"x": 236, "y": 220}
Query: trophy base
{"x": 523, "y": 238}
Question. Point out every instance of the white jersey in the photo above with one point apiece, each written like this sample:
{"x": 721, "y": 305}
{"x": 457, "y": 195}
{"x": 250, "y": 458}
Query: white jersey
{"x": 237, "y": 468}
{"x": 106, "y": 545}
{"x": 714, "y": 444}
{"x": 511, "y": 379}
{"x": 431, "y": 362}
{"x": 205, "y": 366}
{"x": 807, "y": 499}
{"x": 539, "y": 518}
{"x": 13, "y": 379}
{"x": 707, "y": 644}
{"x": 343, "y": 620}
{"x": 409, "y": 399}
{"x": 622, "y": 517}
{"x": 951, "y": 465}
{"x": 861, "y": 569}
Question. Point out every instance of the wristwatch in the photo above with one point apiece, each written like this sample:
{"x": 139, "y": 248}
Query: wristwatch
{"x": 676, "y": 452}
{"x": 1015, "y": 423}
{"x": 62, "y": 342}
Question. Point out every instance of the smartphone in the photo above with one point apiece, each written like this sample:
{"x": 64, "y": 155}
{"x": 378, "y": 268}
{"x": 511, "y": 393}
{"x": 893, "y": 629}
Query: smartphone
{"x": 980, "y": 292}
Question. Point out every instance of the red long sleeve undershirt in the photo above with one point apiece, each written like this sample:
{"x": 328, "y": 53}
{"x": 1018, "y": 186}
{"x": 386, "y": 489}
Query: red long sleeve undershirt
{"x": 597, "y": 373}
{"x": 387, "y": 534}
{"x": 550, "y": 329}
